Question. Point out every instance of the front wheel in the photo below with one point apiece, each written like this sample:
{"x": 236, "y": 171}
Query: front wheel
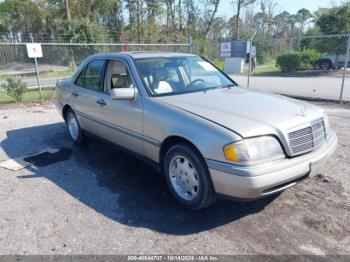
{"x": 73, "y": 127}
{"x": 188, "y": 177}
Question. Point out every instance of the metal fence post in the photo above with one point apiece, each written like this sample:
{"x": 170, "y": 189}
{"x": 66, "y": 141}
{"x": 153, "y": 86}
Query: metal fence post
{"x": 250, "y": 62}
{"x": 37, "y": 73}
{"x": 344, "y": 71}
{"x": 190, "y": 44}
{"x": 250, "y": 55}
{"x": 38, "y": 79}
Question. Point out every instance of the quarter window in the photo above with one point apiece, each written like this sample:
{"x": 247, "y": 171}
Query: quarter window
{"x": 91, "y": 76}
{"x": 80, "y": 79}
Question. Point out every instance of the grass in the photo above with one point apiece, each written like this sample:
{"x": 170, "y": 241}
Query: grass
{"x": 58, "y": 74}
{"x": 265, "y": 69}
{"x": 5, "y": 76}
{"x": 29, "y": 97}
{"x": 269, "y": 68}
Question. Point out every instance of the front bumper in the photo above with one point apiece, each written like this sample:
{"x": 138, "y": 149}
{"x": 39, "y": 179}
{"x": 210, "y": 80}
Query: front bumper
{"x": 250, "y": 182}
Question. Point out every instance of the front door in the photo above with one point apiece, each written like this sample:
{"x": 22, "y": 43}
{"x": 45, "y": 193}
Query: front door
{"x": 121, "y": 120}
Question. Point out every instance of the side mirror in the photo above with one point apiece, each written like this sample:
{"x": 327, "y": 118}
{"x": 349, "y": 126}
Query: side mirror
{"x": 123, "y": 93}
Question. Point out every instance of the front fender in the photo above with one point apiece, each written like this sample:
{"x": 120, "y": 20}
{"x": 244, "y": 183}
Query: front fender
{"x": 162, "y": 121}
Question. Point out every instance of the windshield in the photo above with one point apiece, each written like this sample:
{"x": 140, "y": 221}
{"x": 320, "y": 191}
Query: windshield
{"x": 176, "y": 75}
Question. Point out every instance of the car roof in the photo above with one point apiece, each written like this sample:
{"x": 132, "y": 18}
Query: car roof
{"x": 144, "y": 54}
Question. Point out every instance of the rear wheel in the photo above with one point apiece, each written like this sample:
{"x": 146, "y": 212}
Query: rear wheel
{"x": 188, "y": 177}
{"x": 73, "y": 127}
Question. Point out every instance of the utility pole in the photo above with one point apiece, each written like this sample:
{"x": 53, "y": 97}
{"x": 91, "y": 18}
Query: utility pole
{"x": 70, "y": 31}
{"x": 67, "y": 10}
{"x": 68, "y": 19}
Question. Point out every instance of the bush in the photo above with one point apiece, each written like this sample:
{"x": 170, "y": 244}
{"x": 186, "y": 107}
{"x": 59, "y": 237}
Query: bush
{"x": 298, "y": 60}
{"x": 264, "y": 51}
{"x": 15, "y": 88}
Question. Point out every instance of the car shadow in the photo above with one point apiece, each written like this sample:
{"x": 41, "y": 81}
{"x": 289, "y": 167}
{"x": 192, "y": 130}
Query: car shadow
{"x": 119, "y": 186}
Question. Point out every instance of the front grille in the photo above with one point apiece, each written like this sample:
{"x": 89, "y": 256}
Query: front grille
{"x": 307, "y": 139}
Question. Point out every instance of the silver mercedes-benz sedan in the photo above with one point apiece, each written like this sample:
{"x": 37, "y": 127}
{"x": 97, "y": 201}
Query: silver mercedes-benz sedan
{"x": 208, "y": 136}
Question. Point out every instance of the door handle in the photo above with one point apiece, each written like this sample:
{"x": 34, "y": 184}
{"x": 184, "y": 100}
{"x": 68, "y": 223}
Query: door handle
{"x": 101, "y": 102}
{"x": 75, "y": 94}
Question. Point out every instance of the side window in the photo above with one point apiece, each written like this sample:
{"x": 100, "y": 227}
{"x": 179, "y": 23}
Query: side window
{"x": 90, "y": 77}
{"x": 118, "y": 75}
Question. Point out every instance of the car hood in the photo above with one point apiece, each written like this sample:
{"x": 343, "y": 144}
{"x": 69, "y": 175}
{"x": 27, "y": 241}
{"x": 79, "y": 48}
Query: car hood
{"x": 248, "y": 113}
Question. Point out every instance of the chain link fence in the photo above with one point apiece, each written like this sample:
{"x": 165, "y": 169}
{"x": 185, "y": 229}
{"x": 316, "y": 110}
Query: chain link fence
{"x": 18, "y": 79}
{"x": 313, "y": 66}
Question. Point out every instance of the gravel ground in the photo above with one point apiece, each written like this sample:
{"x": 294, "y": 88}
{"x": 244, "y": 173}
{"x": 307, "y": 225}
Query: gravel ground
{"x": 101, "y": 201}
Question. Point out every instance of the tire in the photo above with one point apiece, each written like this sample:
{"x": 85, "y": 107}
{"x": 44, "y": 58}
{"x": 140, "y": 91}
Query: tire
{"x": 73, "y": 127}
{"x": 326, "y": 65}
{"x": 188, "y": 177}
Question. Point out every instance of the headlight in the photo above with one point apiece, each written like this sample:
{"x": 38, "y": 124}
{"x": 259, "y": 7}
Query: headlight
{"x": 254, "y": 150}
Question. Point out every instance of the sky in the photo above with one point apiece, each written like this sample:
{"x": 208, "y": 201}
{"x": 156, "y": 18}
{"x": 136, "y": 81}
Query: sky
{"x": 292, "y": 6}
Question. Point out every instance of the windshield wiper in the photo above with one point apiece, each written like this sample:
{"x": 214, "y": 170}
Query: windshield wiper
{"x": 226, "y": 86}
{"x": 216, "y": 87}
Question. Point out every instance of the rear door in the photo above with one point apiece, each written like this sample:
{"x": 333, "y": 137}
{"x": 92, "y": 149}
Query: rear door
{"x": 88, "y": 88}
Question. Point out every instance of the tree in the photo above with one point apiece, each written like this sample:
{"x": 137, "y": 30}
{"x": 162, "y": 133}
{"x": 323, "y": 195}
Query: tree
{"x": 216, "y": 4}
{"x": 135, "y": 10}
{"x": 110, "y": 15}
{"x": 239, "y": 5}
{"x": 267, "y": 11}
{"x": 292, "y": 21}
{"x": 20, "y": 16}
{"x": 83, "y": 30}
{"x": 332, "y": 21}
{"x": 171, "y": 9}
{"x": 335, "y": 21}
{"x": 303, "y": 16}
{"x": 158, "y": 20}
{"x": 52, "y": 15}
{"x": 154, "y": 9}
{"x": 217, "y": 29}
{"x": 281, "y": 23}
